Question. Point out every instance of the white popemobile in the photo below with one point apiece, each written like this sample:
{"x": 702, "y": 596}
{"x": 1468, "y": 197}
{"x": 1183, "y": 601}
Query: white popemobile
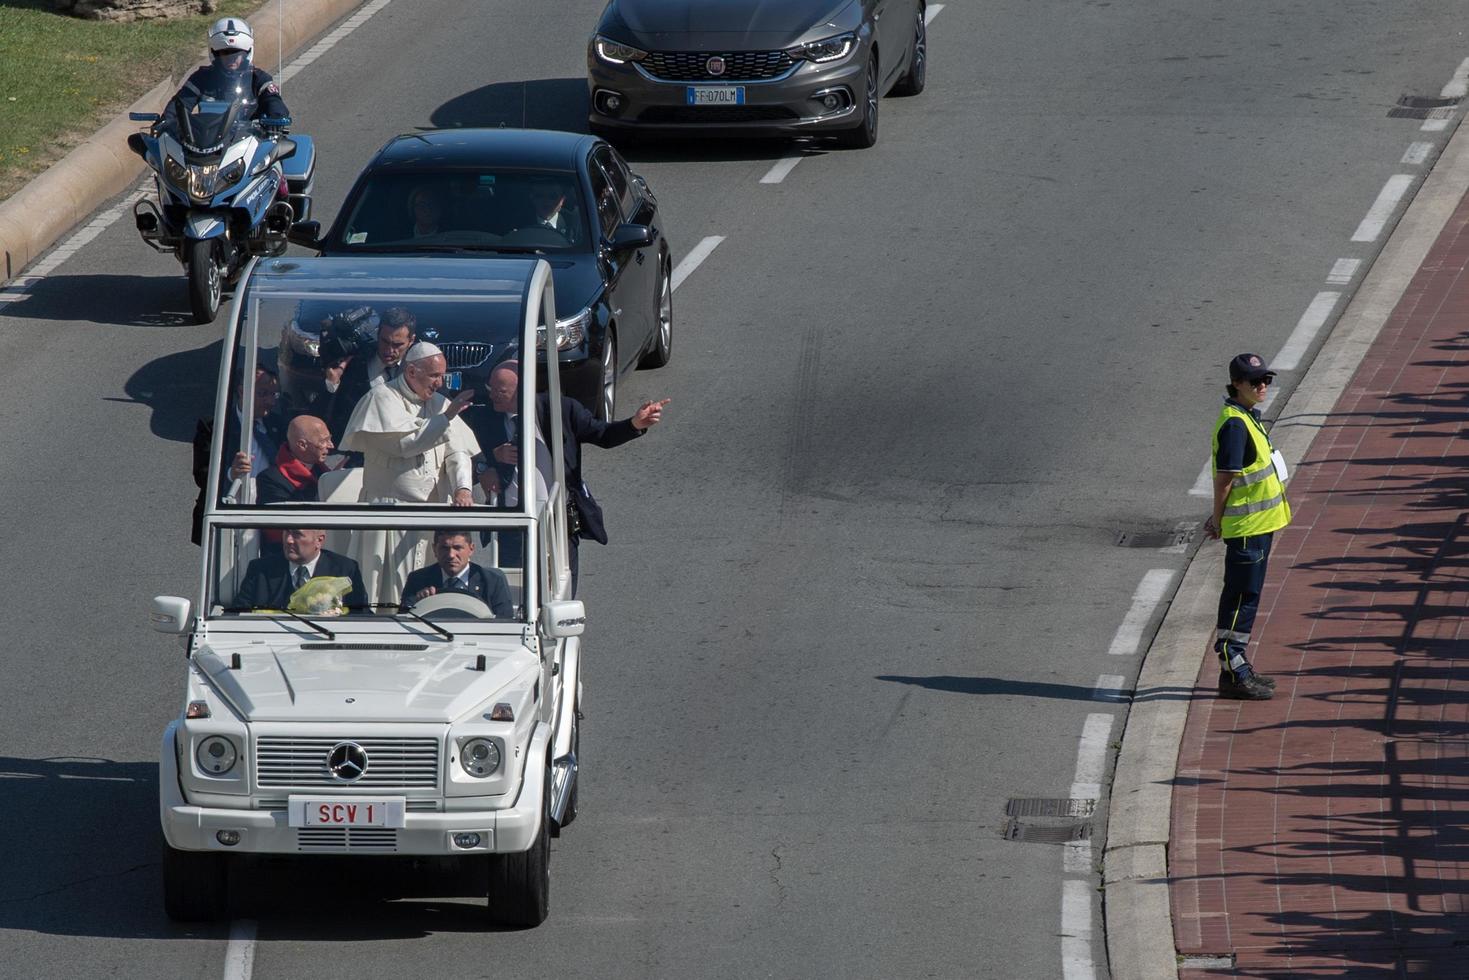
{"x": 321, "y": 720}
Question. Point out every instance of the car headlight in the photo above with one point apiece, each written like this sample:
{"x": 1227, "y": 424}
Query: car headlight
{"x": 570, "y": 332}
{"x": 827, "y": 49}
{"x": 216, "y": 755}
{"x": 229, "y": 176}
{"x": 615, "y": 52}
{"x": 479, "y": 757}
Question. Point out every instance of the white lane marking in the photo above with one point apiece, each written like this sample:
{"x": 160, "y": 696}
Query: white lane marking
{"x": 1144, "y": 601}
{"x": 1343, "y": 271}
{"x": 1435, "y": 125}
{"x": 1387, "y": 200}
{"x": 1417, "y": 154}
{"x": 691, "y": 261}
{"x": 1306, "y": 329}
{"x": 1076, "y": 930}
{"x": 782, "y": 167}
{"x": 1184, "y": 532}
{"x": 931, "y": 13}
{"x": 1204, "y": 485}
{"x": 1091, "y": 757}
{"x": 1110, "y": 687}
{"x": 1076, "y": 857}
{"x": 239, "y": 955}
{"x": 37, "y": 271}
{"x": 1458, "y": 86}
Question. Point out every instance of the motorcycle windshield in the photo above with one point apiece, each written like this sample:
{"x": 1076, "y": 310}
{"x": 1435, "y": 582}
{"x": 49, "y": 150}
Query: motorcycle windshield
{"x": 222, "y": 113}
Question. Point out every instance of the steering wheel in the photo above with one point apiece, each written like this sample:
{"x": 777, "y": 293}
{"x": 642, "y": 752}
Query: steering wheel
{"x": 452, "y": 603}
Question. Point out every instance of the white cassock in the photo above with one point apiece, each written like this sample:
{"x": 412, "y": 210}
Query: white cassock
{"x": 411, "y": 452}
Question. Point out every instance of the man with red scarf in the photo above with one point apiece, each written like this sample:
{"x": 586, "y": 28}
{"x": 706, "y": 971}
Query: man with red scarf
{"x": 298, "y": 465}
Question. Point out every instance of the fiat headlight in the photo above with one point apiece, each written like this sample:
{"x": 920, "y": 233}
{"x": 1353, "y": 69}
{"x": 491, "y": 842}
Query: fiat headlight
{"x": 216, "y": 755}
{"x": 827, "y": 49}
{"x": 479, "y": 757}
{"x": 617, "y": 53}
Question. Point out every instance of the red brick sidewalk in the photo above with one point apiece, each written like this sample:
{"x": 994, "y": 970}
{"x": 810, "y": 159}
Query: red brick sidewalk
{"x": 1326, "y": 833}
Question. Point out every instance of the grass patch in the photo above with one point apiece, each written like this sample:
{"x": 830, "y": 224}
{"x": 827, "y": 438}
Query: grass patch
{"x": 61, "y": 77}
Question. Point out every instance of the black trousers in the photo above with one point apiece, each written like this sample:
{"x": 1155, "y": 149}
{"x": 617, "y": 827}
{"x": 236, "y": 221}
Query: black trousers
{"x": 1245, "y": 561}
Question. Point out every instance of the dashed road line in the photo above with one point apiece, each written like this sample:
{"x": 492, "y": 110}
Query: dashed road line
{"x": 931, "y": 13}
{"x": 1076, "y": 930}
{"x": 1306, "y": 329}
{"x": 698, "y": 254}
{"x": 782, "y": 167}
{"x": 1145, "y": 601}
{"x": 1417, "y": 154}
{"x": 1343, "y": 271}
{"x": 1110, "y": 687}
{"x": 239, "y": 955}
{"x": 1091, "y": 757}
{"x": 1387, "y": 201}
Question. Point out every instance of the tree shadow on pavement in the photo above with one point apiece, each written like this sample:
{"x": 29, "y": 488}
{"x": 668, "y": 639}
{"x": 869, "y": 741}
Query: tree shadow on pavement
{"x": 179, "y": 389}
{"x": 123, "y": 301}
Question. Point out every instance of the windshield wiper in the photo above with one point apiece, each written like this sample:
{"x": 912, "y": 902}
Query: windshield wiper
{"x": 313, "y": 624}
{"x": 448, "y": 637}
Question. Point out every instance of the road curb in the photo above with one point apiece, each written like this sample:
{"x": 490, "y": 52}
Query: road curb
{"x": 33, "y": 218}
{"x": 1137, "y": 916}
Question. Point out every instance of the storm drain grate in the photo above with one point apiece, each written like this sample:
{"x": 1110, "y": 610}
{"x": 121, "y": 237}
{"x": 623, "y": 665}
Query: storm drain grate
{"x": 1423, "y": 107}
{"x": 1034, "y": 807}
{"x": 1060, "y": 833}
{"x": 1180, "y": 537}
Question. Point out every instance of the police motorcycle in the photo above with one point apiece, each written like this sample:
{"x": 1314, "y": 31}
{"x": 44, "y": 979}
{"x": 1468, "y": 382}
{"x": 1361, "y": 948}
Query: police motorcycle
{"x": 228, "y": 186}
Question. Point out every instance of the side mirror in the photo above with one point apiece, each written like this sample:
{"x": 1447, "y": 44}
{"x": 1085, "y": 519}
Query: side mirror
{"x": 138, "y": 145}
{"x": 562, "y": 618}
{"x": 307, "y": 234}
{"x": 170, "y": 614}
{"x": 632, "y": 236}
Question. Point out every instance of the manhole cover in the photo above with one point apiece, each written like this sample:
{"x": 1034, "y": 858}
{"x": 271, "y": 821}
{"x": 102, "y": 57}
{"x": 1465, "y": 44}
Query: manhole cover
{"x": 1032, "y": 807}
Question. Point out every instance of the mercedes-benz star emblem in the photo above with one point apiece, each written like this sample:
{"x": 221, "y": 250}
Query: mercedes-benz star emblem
{"x": 715, "y": 65}
{"x": 347, "y": 761}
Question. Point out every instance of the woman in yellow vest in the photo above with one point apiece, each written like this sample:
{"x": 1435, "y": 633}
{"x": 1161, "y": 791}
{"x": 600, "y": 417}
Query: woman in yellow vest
{"x": 1249, "y": 507}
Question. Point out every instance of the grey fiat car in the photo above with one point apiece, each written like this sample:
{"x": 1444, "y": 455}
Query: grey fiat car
{"x": 794, "y": 68}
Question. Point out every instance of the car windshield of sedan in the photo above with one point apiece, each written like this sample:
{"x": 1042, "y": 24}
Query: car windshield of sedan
{"x": 483, "y": 210}
{"x": 444, "y": 573}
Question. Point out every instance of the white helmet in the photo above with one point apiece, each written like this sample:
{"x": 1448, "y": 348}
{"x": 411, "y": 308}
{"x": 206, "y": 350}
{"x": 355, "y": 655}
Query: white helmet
{"x": 231, "y": 34}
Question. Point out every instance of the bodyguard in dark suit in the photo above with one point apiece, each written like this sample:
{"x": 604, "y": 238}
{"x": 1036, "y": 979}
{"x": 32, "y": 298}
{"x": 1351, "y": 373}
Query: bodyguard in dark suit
{"x": 454, "y": 572}
{"x": 268, "y": 432}
{"x": 270, "y": 581}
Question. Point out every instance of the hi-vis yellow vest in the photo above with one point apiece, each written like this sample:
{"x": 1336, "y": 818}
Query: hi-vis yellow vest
{"x": 1256, "y": 503}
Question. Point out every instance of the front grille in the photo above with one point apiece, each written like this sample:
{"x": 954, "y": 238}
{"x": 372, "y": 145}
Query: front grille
{"x": 464, "y": 356}
{"x": 740, "y": 66}
{"x": 673, "y": 114}
{"x": 287, "y": 761}
{"x": 379, "y": 839}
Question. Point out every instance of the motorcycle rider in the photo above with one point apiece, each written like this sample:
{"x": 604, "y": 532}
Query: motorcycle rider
{"x": 229, "y": 75}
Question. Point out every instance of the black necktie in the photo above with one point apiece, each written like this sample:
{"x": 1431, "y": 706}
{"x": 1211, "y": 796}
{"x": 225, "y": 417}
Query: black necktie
{"x": 301, "y": 575}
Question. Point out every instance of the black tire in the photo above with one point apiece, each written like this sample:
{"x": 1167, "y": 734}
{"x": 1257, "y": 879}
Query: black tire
{"x": 519, "y": 885}
{"x": 206, "y": 283}
{"x": 864, "y": 134}
{"x": 916, "y": 76}
{"x": 195, "y": 885}
{"x": 662, "y": 348}
{"x": 607, "y": 384}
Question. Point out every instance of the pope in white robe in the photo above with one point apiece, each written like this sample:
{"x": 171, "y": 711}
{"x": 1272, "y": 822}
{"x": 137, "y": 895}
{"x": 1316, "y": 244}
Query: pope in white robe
{"x": 415, "y": 449}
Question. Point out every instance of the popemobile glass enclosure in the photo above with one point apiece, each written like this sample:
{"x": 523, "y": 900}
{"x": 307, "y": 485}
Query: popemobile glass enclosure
{"x": 384, "y": 649}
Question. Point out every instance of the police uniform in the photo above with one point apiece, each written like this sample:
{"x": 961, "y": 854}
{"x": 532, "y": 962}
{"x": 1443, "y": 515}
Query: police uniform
{"x": 265, "y": 93}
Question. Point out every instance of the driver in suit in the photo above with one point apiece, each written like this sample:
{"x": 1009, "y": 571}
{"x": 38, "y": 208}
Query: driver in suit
{"x": 454, "y": 572}
{"x": 270, "y": 581}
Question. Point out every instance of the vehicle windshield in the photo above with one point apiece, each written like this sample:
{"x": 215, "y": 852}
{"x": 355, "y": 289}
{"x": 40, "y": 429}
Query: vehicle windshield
{"x": 474, "y": 210}
{"x": 470, "y": 572}
{"x": 222, "y": 113}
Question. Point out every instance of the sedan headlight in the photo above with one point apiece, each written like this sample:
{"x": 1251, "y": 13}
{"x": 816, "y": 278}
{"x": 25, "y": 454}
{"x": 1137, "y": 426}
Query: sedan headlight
{"x": 229, "y": 176}
{"x": 827, "y": 49}
{"x": 615, "y": 52}
{"x": 570, "y": 332}
{"x": 480, "y": 757}
{"x": 216, "y": 755}
{"x": 300, "y": 341}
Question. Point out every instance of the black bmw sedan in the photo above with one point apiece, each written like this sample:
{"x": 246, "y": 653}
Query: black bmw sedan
{"x": 565, "y": 196}
{"x": 792, "y": 67}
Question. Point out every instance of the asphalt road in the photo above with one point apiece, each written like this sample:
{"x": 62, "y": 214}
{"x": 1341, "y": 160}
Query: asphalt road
{"x": 863, "y": 580}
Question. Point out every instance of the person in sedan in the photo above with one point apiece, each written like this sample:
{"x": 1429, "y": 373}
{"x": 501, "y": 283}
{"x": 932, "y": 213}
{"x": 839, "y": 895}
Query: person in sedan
{"x": 454, "y": 572}
{"x": 426, "y": 209}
